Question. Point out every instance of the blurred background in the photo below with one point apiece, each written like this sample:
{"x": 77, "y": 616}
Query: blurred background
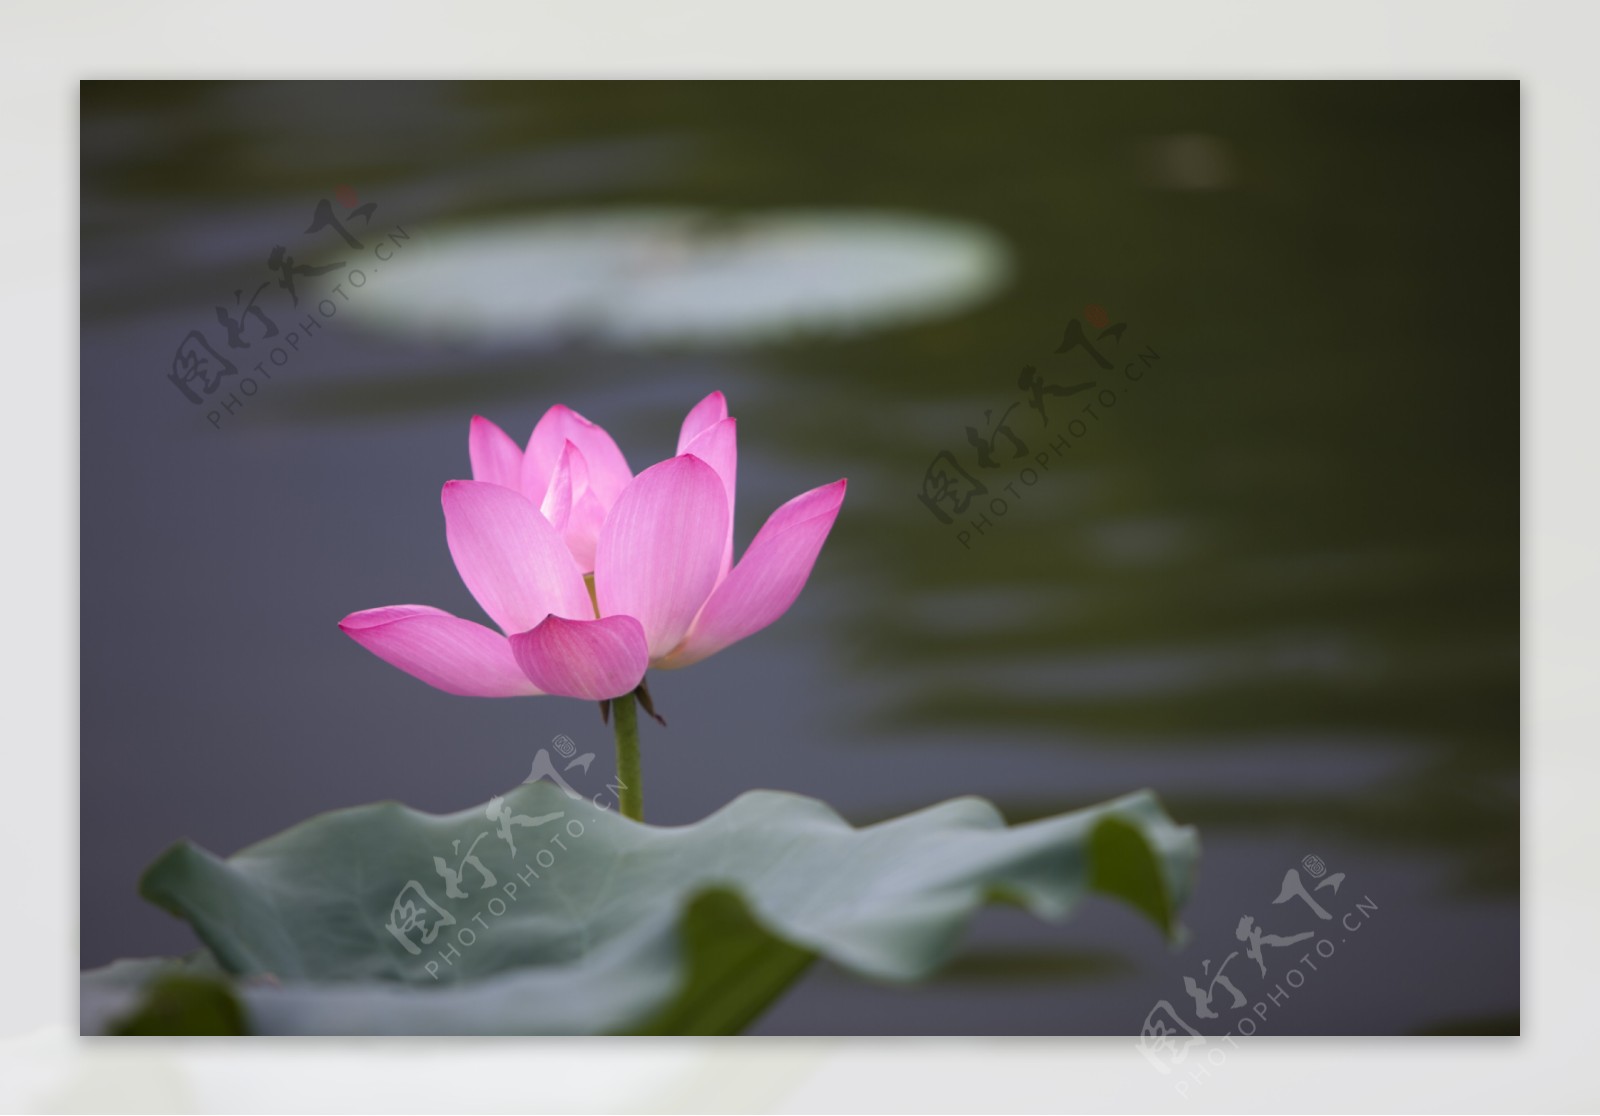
{"x": 1277, "y": 582}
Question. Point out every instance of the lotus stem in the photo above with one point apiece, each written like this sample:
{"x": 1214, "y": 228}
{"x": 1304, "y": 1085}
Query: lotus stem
{"x": 631, "y": 799}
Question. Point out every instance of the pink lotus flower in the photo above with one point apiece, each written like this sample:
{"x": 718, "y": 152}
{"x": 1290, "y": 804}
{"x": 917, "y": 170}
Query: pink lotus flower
{"x": 594, "y": 575}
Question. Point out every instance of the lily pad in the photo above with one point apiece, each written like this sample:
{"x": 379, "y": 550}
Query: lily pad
{"x": 547, "y": 914}
{"x": 638, "y": 278}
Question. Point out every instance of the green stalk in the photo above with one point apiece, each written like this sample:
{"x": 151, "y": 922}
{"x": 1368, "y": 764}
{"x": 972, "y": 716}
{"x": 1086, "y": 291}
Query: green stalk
{"x": 631, "y": 800}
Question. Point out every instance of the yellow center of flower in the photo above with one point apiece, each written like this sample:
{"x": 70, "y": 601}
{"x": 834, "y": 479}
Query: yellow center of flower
{"x": 588, "y": 579}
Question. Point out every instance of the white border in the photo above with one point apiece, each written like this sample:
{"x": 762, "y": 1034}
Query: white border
{"x": 47, "y": 47}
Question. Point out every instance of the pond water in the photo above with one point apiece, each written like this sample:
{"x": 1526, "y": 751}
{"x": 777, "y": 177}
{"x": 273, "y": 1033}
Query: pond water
{"x": 1275, "y": 578}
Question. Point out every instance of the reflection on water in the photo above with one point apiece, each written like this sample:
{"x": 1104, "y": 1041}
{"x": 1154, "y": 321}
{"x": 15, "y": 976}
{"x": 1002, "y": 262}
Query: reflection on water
{"x": 1281, "y": 588}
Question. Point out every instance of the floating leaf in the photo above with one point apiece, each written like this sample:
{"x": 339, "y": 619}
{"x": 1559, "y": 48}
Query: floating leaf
{"x": 642, "y": 277}
{"x": 585, "y": 922}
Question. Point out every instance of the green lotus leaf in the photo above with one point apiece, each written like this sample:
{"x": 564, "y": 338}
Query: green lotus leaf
{"x": 546, "y": 914}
